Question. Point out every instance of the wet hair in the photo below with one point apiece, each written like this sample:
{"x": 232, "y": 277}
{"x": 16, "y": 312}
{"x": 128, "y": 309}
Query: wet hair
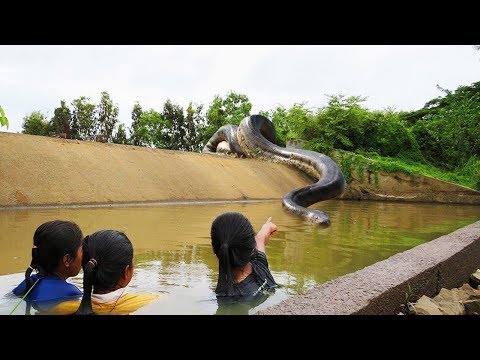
{"x": 51, "y": 241}
{"x": 233, "y": 242}
{"x": 106, "y": 253}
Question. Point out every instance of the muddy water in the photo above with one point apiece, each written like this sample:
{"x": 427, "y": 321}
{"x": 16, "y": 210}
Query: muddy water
{"x": 173, "y": 255}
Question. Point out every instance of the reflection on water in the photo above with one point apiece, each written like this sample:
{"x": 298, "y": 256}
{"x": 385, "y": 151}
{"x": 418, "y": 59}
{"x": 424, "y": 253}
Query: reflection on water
{"x": 173, "y": 255}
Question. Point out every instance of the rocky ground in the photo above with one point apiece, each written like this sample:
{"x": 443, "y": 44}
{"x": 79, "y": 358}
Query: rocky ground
{"x": 464, "y": 300}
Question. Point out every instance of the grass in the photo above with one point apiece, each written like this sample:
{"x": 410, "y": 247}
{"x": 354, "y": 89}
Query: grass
{"x": 349, "y": 161}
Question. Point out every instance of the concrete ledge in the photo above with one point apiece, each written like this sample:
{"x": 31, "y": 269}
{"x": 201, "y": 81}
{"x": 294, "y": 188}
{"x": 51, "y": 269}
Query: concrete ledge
{"x": 380, "y": 288}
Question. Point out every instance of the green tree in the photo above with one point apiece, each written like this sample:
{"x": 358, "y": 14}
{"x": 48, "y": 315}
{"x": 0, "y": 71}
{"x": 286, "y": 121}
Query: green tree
{"x": 385, "y": 133}
{"x": 61, "y": 120}
{"x": 74, "y": 127}
{"x": 121, "y": 135}
{"x": 3, "y": 118}
{"x": 82, "y": 118}
{"x": 280, "y": 120}
{"x": 299, "y": 122}
{"x": 229, "y": 110}
{"x": 343, "y": 118}
{"x": 173, "y": 113}
{"x": 153, "y": 130}
{"x": 35, "y": 124}
{"x": 194, "y": 123}
{"x": 106, "y": 117}
{"x": 136, "y": 113}
{"x": 448, "y": 130}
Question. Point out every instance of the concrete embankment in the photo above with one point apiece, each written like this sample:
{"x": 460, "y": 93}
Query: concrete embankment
{"x": 45, "y": 171}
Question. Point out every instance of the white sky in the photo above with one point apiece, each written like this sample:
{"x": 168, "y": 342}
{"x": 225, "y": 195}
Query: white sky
{"x": 37, "y": 77}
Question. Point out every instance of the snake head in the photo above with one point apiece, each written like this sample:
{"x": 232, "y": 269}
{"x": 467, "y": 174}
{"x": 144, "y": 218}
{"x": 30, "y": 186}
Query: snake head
{"x": 318, "y": 217}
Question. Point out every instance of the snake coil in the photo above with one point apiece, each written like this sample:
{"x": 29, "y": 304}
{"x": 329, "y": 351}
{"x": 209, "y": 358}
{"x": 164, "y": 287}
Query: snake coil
{"x": 255, "y": 137}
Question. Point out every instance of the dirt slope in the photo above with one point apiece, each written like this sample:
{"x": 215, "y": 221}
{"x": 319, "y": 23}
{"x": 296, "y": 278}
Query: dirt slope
{"x": 38, "y": 170}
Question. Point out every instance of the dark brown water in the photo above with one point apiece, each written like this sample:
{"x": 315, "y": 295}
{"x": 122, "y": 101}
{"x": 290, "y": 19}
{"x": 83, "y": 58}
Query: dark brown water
{"x": 173, "y": 255}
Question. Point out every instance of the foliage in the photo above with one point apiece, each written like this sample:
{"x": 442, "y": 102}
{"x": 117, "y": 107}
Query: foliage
{"x": 468, "y": 176}
{"x": 194, "y": 123}
{"x": 411, "y": 296}
{"x": 35, "y": 124}
{"x": 173, "y": 113}
{"x": 153, "y": 130}
{"x": 448, "y": 129}
{"x": 136, "y": 113}
{"x": 441, "y": 140}
{"x": 339, "y": 125}
{"x": 3, "y": 118}
{"x": 229, "y": 110}
{"x": 280, "y": 121}
{"x": 82, "y": 118}
{"x": 121, "y": 135}
{"x": 349, "y": 162}
{"x": 343, "y": 121}
{"x": 106, "y": 117}
{"x": 291, "y": 123}
{"x": 386, "y": 134}
{"x": 469, "y": 173}
{"x": 60, "y": 122}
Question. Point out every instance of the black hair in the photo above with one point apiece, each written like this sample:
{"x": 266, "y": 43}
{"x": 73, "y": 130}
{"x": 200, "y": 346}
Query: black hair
{"x": 106, "y": 253}
{"x": 233, "y": 242}
{"x": 51, "y": 241}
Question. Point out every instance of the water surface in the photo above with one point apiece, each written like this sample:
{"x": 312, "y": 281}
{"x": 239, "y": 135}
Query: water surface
{"x": 173, "y": 255}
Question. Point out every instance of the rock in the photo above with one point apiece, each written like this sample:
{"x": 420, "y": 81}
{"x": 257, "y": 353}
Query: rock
{"x": 425, "y": 306}
{"x": 472, "y": 307}
{"x": 475, "y": 279}
{"x": 458, "y": 301}
{"x": 446, "y": 295}
{"x": 449, "y": 303}
{"x": 466, "y": 292}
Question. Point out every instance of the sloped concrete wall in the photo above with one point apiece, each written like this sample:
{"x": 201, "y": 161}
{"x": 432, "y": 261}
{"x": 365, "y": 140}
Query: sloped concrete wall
{"x": 38, "y": 170}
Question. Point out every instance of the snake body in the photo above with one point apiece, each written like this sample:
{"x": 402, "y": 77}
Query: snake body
{"x": 255, "y": 137}
{"x": 227, "y": 133}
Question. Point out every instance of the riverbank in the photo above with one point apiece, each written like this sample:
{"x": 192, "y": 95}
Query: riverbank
{"x": 44, "y": 171}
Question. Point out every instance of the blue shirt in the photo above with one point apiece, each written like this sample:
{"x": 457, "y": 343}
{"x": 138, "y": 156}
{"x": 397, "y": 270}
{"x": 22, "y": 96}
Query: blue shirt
{"x": 49, "y": 291}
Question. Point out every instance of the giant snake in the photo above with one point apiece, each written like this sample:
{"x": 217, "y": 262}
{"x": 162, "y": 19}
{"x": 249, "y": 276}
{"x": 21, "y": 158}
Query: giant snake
{"x": 255, "y": 137}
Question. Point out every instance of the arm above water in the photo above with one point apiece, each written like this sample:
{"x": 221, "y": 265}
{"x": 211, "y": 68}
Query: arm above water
{"x": 267, "y": 230}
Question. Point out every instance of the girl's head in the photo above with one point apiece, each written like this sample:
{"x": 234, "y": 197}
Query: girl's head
{"x": 233, "y": 242}
{"x": 57, "y": 249}
{"x": 107, "y": 265}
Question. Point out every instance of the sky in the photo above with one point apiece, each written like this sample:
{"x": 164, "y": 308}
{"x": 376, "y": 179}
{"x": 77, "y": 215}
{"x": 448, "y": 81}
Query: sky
{"x": 38, "y": 77}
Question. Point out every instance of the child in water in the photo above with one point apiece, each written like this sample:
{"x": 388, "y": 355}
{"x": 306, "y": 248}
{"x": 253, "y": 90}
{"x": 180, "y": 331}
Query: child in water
{"x": 107, "y": 270}
{"x": 243, "y": 266}
{"x": 56, "y": 256}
